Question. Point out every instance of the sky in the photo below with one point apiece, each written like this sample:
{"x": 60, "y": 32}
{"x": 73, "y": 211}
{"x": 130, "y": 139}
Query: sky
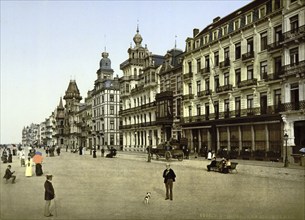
{"x": 45, "y": 44}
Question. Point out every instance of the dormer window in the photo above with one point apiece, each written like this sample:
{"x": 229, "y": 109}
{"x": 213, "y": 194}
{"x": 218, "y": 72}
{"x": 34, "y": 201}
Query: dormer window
{"x": 262, "y": 12}
{"x": 236, "y": 24}
{"x": 249, "y": 18}
{"x": 225, "y": 30}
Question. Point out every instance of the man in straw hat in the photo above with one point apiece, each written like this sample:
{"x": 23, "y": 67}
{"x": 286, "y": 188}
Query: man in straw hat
{"x": 48, "y": 195}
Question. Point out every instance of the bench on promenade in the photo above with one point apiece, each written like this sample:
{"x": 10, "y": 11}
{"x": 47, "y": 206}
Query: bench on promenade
{"x": 231, "y": 169}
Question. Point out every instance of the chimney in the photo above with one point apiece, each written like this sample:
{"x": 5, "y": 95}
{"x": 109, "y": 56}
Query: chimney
{"x": 195, "y": 31}
{"x": 216, "y": 19}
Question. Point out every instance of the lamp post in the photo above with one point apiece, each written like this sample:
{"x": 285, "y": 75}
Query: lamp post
{"x": 148, "y": 150}
{"x": 286, "y": 153}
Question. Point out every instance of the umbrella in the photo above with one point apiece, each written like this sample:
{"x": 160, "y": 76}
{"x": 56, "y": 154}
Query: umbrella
{"x": 37, "y": 158}
{"x": 39, "y": 153}
{"x": 302, "y": 150}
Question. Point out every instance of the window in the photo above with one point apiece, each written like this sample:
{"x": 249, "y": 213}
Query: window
{"x": 190, "y": 66}
{"x": 111, "y": 110}
{"x": 237, "y": 106}
{"x": 236, "y": 24}
{"x": 207, "y": 84}
{"x": 294, "y": 23}
{"x": 179, "y": 84}
{"x": 250, "y": 72}
{"x": 249, "y": 18}
{"x": 207, "y": 62}
{"x": 207, "y": 111}
{"x": 278, "y": 34}
{"x": 264, "y": 41}
{"x": 198, "y": 65}
{"x": 198, "y": 87}
{"x": 216, "y": 80}
{"x": 227, "y": 107}
{"x": 216, "y": 109}
{"x": 215, "y": 35}
{"x": 277, "y": 65}
{"x": 277, "y": 100}
{"x": 111, "y": 98}
{"x": 198, "y": 109}
{"x": 262, "y": 12}
{"x": 190, "y": 111}
{"x": 216, "y": 58}
{"x": 277, "y": 4}
{"x": 226, "y": 79}
{"x": 112, "y": 139}
{"x": 294, "y": 56}
{"x": 249, "y": 101}
{"x": 227, "y": 53}
{"x": 225, "y": 30}
{"x": 237, "y": 51}
{"x": 250, "y": 45}
{"x": 263, "y": 68}
{"x": 178, "y": 107}
{"x": 190, "y": 88}
{"x": 237, "y": 77}
{"x": 111, "y": 124}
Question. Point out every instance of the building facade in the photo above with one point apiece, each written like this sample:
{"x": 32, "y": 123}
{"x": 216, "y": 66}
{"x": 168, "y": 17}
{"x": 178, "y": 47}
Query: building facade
{"x": 105, "y": 107}
{"x": 233, "y": 102}
{"x": 139, "y": 86}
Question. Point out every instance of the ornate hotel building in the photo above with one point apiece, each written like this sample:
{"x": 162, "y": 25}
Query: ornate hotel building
{"x": 139, "y": 86}
{"x": 105, "y": 101}
{"x": 243, "y": 84}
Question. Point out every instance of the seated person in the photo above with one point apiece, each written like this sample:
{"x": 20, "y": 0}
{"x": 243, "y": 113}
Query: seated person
{"x": 228, "y": 164}
{"x": 212, "y": 164}
{"x": 9, "y": 174}
{"x": 223, "y": 166}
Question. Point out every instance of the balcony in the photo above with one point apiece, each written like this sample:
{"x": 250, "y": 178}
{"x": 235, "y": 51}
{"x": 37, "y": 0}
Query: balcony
{"x": 292, "y": 69}
{"x": 248, "y": 56}
{"x": 272, "y": 76}
{"x": 294, "y": 34}
{"x": 274, "y": 47}
{"x": 248, "y": 82}
{"x": 164, "y": 120}
{"x": 187, "y": 76}
{"x": 224, "y": 64}
{"x": 188, "y": 97}
{"x": 165, "y": 95}
{"x": 205, "y": 70}
{"x": 293, "y": 106}
{"x": 204, "y": 93}
{"x": 224, "y": 88}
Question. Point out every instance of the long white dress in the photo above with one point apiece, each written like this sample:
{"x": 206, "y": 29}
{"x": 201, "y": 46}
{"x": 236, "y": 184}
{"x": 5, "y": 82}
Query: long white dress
{"x": 29, "y": 168}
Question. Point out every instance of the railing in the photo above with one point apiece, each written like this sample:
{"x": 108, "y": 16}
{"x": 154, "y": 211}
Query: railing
{"x": 274, "y": 46}
{"x": 224, "y": 63}
{"x": 132, "y": 77}
{"x": 290, "y": 106}
{"x": 224, "y": 88}
{"x": 188, "y": 75}
{"x": 189, "y": 96}
{"x": 204, "y": 93}
{"x": 165, "y": 94}
{"x": 294, "y": 33}
{"x": 272, "y": 76}
{"x": 294, "y": 68}
{"x": 205, "y": 70}
{"x": 247, "y": 56}
{"x": 248, "y": 82}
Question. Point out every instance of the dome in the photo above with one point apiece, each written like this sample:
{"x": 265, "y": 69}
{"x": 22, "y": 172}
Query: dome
{"x": 105, "y": 62}
{"x": 137, "y": 38}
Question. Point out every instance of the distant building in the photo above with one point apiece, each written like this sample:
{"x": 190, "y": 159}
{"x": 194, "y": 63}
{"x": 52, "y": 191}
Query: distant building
{"x": 30, "y": 135}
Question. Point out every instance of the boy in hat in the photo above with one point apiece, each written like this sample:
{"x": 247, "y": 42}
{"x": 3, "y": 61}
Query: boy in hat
{"x": 48, "y": 195}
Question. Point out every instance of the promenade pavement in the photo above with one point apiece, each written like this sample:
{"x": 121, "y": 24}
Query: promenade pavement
{"x": 104, "y": 188}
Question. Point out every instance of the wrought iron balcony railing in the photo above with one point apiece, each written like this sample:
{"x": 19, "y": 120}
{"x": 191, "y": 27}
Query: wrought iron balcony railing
{"x": 188, "y": 96}
{"x": 294, "y": 34}
{"x": 224, "y": 88}
{"x": 294, "y": 68}
{"x": 247, "y": 56}
{"x": 188, "y": 75}
{"x": 225, "y": 63}
{"x": 248, "y": 82}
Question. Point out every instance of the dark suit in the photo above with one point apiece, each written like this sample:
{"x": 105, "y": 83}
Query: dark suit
{"x": 48, "y": 196}
{"x": 9, "y": 174}
{"x": 169, "y": 177}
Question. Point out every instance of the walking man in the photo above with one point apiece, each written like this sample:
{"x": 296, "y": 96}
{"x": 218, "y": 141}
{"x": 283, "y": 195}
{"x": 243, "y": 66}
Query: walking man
{"x": 48, "y": 195}
{"x": 9, "y": 174}
{"x": 169, "y": 178}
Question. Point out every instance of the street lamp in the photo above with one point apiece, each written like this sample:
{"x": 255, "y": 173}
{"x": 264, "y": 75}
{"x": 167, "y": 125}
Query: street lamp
{"x": 148, "y": 150}
{"x": 286, "y": 154}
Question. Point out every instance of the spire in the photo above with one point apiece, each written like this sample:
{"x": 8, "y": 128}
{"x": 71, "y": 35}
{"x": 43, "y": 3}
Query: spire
{"x": 60, "y": 106}
{"x": 175, "y": 42}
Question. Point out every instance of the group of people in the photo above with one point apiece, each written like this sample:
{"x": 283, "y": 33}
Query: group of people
{"x": 223, "y": 166}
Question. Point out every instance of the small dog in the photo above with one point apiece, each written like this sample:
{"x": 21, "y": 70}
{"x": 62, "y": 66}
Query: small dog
{"x": 147, "y": 198}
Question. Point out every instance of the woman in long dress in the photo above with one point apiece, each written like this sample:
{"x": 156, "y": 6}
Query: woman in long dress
{"x": 28, "y": 167}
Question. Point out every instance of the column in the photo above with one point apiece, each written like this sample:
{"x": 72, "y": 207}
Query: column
{"x": 267, "y": 138}
{"x": 229, "y": 138}
{"x": 253, "y": 138}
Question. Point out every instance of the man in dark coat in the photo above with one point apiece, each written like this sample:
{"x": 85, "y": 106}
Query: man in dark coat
{"x": 9, "y": 174}
{"x": 48, "y": 195}
{"x": 169, "y": 178}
